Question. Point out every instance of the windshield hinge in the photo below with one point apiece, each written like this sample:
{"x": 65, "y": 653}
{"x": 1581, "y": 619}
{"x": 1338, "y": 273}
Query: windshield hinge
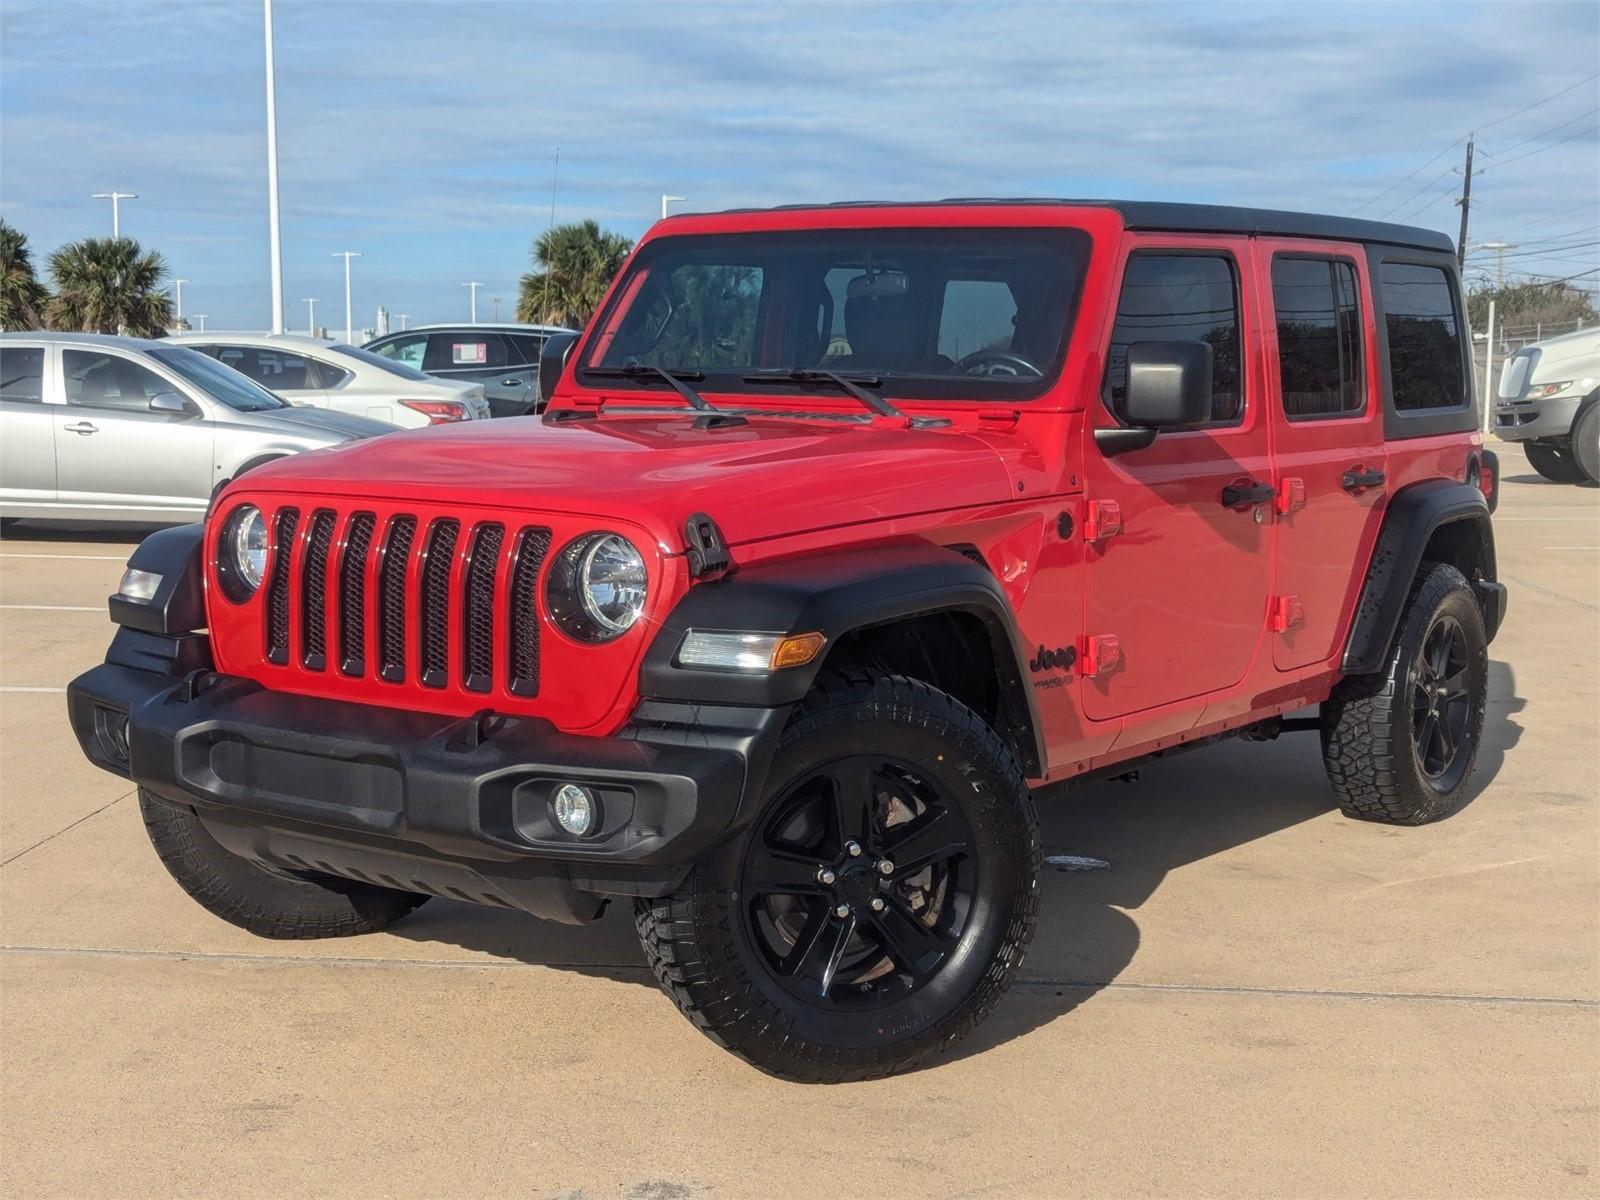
{"x": 708, "y": 553}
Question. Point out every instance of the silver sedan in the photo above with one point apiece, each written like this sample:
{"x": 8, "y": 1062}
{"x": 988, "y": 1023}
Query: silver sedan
{"x": 100, "y": 428}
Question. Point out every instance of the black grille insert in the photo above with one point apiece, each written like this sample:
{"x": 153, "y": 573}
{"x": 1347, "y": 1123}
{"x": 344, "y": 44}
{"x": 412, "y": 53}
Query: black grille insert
{"x": 353, "y": 595}
{"x": 288, "y": 519}
{"x": 435, "y": 623}
{"x": 314, "y": 593}
{"x": 392, "y": 600}
{"x": 478, "y": 611}
{"x": 532, "y": 546}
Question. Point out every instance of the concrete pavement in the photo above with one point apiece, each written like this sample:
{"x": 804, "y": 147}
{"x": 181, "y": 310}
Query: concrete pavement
{"x": 1258, "y": 998}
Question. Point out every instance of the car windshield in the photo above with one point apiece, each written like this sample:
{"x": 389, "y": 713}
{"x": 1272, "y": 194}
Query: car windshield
{"x": 217, "y": 381}
{"x": 972, "y": 313}
{"x": 379, "y": 361}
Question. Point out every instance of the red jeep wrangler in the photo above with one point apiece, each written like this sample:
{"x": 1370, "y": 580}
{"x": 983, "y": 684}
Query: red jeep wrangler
{"x": 847, "y": 527}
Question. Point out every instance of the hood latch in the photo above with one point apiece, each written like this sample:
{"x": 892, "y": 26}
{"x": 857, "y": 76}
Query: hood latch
{"x": 708, "y": 553}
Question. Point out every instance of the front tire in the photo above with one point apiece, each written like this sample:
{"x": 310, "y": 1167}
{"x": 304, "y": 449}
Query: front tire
{"x": 1556, "y": 463}
{"x": 268, "y": 903}
{"x": 879, "y": 904}
{"x": 1586, "y": 442}
{"x": 1399, "y": 746}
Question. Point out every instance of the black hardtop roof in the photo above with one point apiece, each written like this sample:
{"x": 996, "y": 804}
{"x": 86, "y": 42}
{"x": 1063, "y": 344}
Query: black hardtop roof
{"x": 1183, "y": 218}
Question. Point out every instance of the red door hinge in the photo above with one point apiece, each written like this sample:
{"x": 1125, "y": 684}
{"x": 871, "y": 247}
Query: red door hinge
{"x": 1291, "y": 495}
{"x": 1102, "y": 654}
{"x": 1287, "y": 612}
{"x": 1101, "y": 519}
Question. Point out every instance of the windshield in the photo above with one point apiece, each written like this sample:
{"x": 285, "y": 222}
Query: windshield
{"x": 377, "y": 360}
{"x": 217, "y": 381}
{"x": 939, "y": 313}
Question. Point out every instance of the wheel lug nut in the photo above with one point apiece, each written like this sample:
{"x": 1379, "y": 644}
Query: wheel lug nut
{"x": 825, "y": 875}
{"x": 853, "y": 849}
{"x": 842, "y": 911}
{"x": 877, "y": 904}
{"x": 885, "y": 867}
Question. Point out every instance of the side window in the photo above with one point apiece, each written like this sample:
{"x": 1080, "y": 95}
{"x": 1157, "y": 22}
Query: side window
{"x": 465, "y": 351}
{"x": 978, "y": 314}
{"x": 326, "y": 375}
{"x": 22, "y": 374}
{"x": 1319, "y": 337}
{"x": 407, "y": 350}
{"x": 275, "y": 370}
{"x": 1181, "y": 298}
{"x": 525, "y": 348}
{"x": 1424, "y": 337}
{"x": 110, "y": 381}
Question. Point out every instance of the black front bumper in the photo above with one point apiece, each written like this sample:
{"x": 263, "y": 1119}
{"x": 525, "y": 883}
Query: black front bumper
{"x": 423, "y": 802}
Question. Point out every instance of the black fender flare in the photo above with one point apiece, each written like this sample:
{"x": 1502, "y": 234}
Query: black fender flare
{"x": 178, "y": 605}
{"x": 1409, "y": 522}
{"x": 835, "y": 593}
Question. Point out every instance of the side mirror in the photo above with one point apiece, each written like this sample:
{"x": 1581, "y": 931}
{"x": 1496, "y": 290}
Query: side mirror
{"x": 171, "y": 402}
{"x": 1168, "y": 384}
{"x": 553, "y": 360}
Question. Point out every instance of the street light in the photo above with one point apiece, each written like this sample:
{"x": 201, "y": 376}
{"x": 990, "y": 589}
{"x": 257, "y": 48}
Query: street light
{"x": 178, "y": 283}
{"x": 311, "y": 314}
{"x": 496, "y": 302}
{"x": 404, "y": 317}
{"x": 349, "y": 321}
{"x": 1500, "y": 249}
{"x": 474, "y": 285}
{"x": 273, "y": 238}
{"x": 201, "y": 317}
{"x": 666, "y": 200}
{"x": 116, "y": 199}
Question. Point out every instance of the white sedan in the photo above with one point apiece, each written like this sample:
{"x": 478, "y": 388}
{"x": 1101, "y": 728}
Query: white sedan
{"x": 324, "y": 374}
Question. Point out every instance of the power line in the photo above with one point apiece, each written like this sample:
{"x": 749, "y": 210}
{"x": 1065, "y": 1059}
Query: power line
{"x": 1409, "y": 177}
{"x": 1553, "y": 129}
{"x": 1419, "y": 192}
{"x": 1539, "y": 103}
{"x": 1504, "y": 162}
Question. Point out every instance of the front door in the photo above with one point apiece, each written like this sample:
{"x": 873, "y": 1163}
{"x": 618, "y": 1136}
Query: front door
{"x": 27, "y": 448}
{"x": 1328, "y": 418}
{"x": 1182, "y": 584}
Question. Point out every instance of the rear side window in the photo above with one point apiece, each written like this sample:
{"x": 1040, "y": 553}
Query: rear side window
{"x": 1424, "y": 337}
{"x": 1319, "y": 337}
{"x": 465, "y": 352}
{"x": 275, "y": 370}
{"x": 525, "y": 348}
{"x": 1181, "y": 298}
{"x": 22, "y": 374}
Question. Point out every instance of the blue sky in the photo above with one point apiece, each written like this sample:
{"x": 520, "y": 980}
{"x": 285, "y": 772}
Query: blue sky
{"x": 422, "y": 132}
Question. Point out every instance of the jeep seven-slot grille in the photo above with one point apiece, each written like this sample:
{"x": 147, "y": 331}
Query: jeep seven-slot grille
{"x": 419, "y": 600}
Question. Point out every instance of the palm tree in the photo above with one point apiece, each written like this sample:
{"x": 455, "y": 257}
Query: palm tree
{"x": 109, "y": 285}
{"x": 22, "y": 296}
{"x": 574, "y": 264}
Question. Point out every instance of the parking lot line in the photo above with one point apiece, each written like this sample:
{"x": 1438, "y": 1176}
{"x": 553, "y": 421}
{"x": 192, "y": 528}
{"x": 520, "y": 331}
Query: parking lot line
{"x": 51, "y": 690}
{"x": 94, "y": 608}
{"x": 85, "y": 557}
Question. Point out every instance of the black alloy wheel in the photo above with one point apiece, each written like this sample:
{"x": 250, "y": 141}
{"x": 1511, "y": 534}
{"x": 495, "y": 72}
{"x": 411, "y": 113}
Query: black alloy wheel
{"x": 1441, "y": 703}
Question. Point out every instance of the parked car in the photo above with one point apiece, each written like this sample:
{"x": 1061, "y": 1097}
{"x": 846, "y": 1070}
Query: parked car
{"x": 102, "y": 428}
{"x": 504, "y": 359}
{"x": 322, "y": 374}
{"x": 1549, "y": 400}
{"x": 847, "y": 529}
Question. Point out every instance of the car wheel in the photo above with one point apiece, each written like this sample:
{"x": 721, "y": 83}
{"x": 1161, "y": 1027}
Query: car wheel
{"x": 1556, "y": 463}
{"x": 878, "y": 905}
{"x": 1399, "y": 746}
{"x": 1586, "y": 442}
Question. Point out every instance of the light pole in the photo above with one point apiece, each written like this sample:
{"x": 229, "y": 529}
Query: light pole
{"x": 201, "y": 317}
{"x": 474, "y": 285}
{"x": 311, "y": 314}
{"x": 404, "y": 317}
{"x": 666, "y": 200}
{"x": 116, "y": 199}
{"x": 178, "y": 283}
{"x": 275, "y": 246}
{"x": 496, "y": 302}
{"x": 1499, "y": 249}
{"x": 349, "y": 321}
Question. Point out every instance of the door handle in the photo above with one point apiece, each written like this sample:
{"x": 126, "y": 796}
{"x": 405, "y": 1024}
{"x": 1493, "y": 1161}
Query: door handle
{"x": 513, "y": 383}
{"x": 82, "y": 427}
{"x": 1239, "y": 495}
{"x": 1359, "y": 479}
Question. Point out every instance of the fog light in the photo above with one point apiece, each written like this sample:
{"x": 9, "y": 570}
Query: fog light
{"x": 139, "y": 585}
{"x": 575, "y": 809}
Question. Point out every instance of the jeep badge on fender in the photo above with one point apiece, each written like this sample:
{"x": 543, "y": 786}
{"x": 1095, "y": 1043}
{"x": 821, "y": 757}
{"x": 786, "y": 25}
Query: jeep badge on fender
{"x": 846, "y": 529}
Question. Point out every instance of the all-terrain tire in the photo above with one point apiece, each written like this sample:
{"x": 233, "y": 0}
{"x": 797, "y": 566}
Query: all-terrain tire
{"x": 268, "y": 903}
{"x": 699, "y": 946}
{"x": 1586, "y": 442}
{"x": 1558, "y": 464}
{"x": 1370, "y": 723}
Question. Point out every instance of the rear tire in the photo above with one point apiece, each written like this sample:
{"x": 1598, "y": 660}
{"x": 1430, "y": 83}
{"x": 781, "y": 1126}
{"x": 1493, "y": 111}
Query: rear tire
{"x": 1397, "y": 748}
{"x": 940, "y": 895}
{"x": 267, "y": 902}
{"x": 1556, "y": 463}
{"x": 1586, "y": 442}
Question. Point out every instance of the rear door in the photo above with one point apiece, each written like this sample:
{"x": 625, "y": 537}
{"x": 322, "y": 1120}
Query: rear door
{"x": 27, "y": 436}
{"x": 482, "y": 357}
{"x": 1182, "y": 584}
{"x": 1328, "y": 427}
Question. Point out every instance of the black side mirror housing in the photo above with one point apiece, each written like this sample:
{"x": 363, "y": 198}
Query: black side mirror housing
{"x": 553, "y": 360}
{"x": 1168, "y": 385}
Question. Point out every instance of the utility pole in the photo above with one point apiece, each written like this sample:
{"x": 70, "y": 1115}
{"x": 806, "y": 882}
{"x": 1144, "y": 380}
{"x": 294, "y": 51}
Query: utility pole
{"x": 116, "y": 217}
{"x": 1466, "y": 203}
{"x": 178, "y": 284}
{"x": 349, "y": 321}
{"x": 311, "y": 314}
{"x": 474, "y": 285}
{"x": 275, "y": 247}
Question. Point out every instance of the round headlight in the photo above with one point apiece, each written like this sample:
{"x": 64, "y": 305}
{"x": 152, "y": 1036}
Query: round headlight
{"x": 596, "y": 587}
{"x": 242, "y": 553}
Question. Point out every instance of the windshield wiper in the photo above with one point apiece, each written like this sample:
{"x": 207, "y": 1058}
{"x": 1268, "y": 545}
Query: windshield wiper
{"x": 675, "y": 379}
{"x": 854, "y": 386}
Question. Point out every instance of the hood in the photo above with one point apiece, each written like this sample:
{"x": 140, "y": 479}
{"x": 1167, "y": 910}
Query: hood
{"x": 764, "y": 479}
{"x": 323, "y": 421}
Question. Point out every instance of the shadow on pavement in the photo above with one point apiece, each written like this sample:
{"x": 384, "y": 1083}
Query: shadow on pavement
{"x": 98, "y": 532}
